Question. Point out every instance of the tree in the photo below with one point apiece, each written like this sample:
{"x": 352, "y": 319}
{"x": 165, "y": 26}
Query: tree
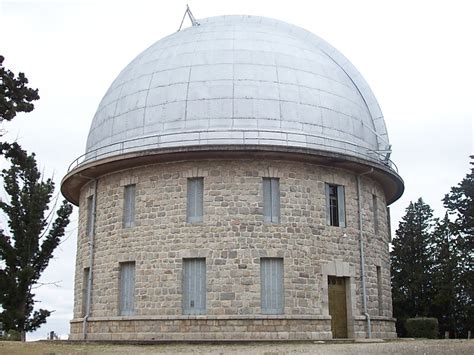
{"x": 15, "y": 96}
{"x": 445, "y": 276}
{"x": 411, "y": 264}
{"x": 26, "y": 250}
{"x": 433, "y": 269}
{"x": 460, "y": 206}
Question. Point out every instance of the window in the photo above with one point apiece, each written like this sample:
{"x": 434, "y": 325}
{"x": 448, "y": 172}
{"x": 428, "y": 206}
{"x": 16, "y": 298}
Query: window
{"x": 195, "y": 200}
{"x": 127, "y": 288}
{"x": 194, "y": 286}
{"x": 335, "y": 205}
{"x": 271, "y": 200}
{"x": 271, "y": 278}
{"x": 379, "y": 290}
{"x": 90, "y": 215}
{"x": 376, "y": 214}
{"x": 129, "y": 206}
{"x": 389, "y": 226}
{"x": 85, "y": 291}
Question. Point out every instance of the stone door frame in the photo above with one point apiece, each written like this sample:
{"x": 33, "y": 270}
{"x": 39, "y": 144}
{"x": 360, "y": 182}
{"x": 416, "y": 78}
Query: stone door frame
{"x": 340, "y": 268}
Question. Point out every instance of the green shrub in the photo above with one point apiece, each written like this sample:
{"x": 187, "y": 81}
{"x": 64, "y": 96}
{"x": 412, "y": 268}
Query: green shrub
{"x": 422, "y": 327}
{"x": 11, "y": 335}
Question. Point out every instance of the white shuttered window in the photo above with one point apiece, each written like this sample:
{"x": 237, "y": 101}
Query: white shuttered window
{"x": 335, "y": 205}
{"x": 85, "y": 291}
{"x": 376, "y": 214}
{"x": 90, "y": 215}
{"x": 271, "y": 275}
{"x": 389, "y": 227}
{"x": 195, "y": 200}
{"x": 127, "y": 288}
{"x": 129, "y": 206}
{"x": 380, "y": 290}
{"x": 271, "y": 200}
{"x": 194, "y": 286}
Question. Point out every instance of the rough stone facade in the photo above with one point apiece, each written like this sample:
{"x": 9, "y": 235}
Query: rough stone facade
{"x": 232, "y": 237}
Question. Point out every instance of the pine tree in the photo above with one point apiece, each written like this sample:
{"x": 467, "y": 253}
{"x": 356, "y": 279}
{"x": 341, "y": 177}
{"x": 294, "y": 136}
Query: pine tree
{"x": 411, "y": 263}
{"x": 445, "y": 276}
{"x": 15, "y": 95}
{"x": 460, "y": 205}
{"x": 25, "y": 250}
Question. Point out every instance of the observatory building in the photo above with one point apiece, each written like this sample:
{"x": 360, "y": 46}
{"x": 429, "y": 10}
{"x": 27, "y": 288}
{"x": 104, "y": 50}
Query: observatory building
{"x": 235, "y": 186}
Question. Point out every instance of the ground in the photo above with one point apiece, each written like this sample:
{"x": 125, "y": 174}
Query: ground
{"x": 389, "y": 347}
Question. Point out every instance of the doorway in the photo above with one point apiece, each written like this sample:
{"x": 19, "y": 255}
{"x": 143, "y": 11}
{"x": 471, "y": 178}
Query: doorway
{"x": 337, "y": 306}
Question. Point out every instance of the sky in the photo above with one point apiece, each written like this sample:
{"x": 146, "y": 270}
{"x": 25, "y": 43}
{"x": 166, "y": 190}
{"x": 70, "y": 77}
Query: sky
{"x": 417, "y": 57}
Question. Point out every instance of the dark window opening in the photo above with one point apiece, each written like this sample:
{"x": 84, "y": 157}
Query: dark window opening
{"x": 335, "y": 205}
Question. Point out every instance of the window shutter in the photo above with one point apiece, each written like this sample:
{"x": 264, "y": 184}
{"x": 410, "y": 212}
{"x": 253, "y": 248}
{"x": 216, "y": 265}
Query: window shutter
{"x": 194, "y": 286}
{"x": 127, "y": 288}
{"x": 341, "y": 206}
{"x": 190, "y": 204}
{"x": 379, "y": 290}
{"x": 328, "y": 206}
{"x": 389, "y": 227}
{"x": 271, "y": 275}
{"x": 187, "y": 286}
{"x": 267, "y": 200}
{"x": 85, "y": 291}
{"x": 199, "y": 199}
{"x": 129, "y": 206}
{"x": 265, "y": 283}
{"x": 90, "y": 215}
{"x": 201, "y": 286}
{"x": 271, "y": 200}
{"x": 275, "y": 185}
{"x": 376, "y": 214}
{"x": 195, "y": 200}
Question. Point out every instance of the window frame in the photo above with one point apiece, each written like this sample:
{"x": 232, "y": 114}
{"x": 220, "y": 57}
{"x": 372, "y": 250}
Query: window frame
{"x": 195, "y": 200}
{"x": 379, "y": 290}
{"x": 85, "y": 290}
{"x": 127, "y": 311}
{"x": 376, "y": 213}
{"x": 335, "y": 205}
{"x": 129, "y": 201}
{"x": 389, "y": 223}
{"x": 271, "y": 200}
{"x": 192, "y": 282}
{"x": 90, "y": 216}
{"x": 272, "y": 293}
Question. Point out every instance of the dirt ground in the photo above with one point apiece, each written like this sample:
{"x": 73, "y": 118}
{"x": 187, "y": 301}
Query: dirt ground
{"x": 391, "y": 347}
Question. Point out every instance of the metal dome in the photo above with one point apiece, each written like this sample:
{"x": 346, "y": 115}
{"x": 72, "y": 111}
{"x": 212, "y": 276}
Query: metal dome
{"x": 239, "y": 80}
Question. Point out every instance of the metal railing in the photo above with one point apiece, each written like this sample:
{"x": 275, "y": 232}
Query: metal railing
{"x": 242, "y": 136}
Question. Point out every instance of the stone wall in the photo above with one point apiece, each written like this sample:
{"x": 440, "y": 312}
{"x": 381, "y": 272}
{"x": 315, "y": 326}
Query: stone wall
{"x": 232, "y": 238}
{"x": 206, "y": 328}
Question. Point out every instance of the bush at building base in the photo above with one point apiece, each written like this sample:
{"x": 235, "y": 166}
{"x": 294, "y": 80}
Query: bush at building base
{"x": 422, "y": 327}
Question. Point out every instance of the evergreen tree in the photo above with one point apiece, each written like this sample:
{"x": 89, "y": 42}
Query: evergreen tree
{"x": 460, "y": 205}
{"x": 15, "y": 95}
{"x": 411, "y": 263}
{"x": 25, "y": 250}
{"x": 446, "y": 278}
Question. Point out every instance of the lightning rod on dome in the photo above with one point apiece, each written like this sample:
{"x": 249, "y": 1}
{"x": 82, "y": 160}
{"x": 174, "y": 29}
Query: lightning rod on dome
{"x": 191, "y": 17}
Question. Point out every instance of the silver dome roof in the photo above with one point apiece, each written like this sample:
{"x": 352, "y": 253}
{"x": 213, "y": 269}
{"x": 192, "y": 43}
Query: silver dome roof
{"x": 239, "y": 80}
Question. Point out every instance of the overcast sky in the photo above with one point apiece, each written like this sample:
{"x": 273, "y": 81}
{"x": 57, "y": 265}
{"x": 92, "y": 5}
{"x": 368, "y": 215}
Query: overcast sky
{"x": 417, "y": 56}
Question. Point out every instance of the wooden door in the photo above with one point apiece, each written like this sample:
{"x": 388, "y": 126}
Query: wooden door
{"x": 337, "y": 306}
